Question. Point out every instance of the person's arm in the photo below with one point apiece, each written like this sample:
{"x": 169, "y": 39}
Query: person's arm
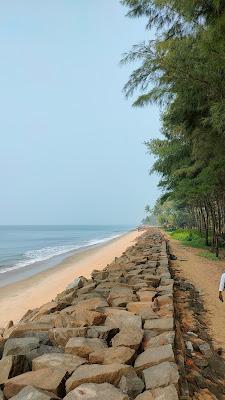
{"x": 221, "y": 287}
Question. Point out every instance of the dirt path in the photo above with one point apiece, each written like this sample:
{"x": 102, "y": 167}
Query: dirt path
{"x": 204, "y": 275}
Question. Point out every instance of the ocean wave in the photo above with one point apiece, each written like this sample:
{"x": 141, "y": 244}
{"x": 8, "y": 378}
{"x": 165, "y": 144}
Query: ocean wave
{"x": 46, "y": 253}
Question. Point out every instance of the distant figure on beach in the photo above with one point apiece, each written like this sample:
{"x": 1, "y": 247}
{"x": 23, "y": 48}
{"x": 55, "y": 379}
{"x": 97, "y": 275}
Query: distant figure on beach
{"x": 221, "y": 287}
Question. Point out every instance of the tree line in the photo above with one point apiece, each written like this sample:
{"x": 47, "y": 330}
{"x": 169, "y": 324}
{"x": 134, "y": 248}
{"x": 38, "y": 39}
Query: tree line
{"x": 183, "y": 70}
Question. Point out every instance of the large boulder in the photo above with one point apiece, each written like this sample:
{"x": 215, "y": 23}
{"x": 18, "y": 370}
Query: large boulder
{"x": 102, "y": 332}
{"x": 67, "y": 362}
{"x": 146, "y": 295}
{"x": 158, "y": 340}
{"x": 130, "y": 337}
{"x": 20, "y": 346}
{"x": 11, "y": 366}
{"x": 161, "y": 324}
{"x": 87, "y": 318}
{"x": 96, "y": 373}
{"x": 84, "y": 346}
{"x": 121, "y": 318}
{"x": 122, "y": 355}
{"x": 31, "y": 393}
{"x": 154, "y": 356}
{"x": 93, "y": 304}
{"x": 94, "y": 391}
{"x": 60, "y": 336}
{"x": 161, "y": 375}
{"x": 132, "y": 385}
{"x": 23, "y": 329}
{"x": 122, "y": 294}
{"x": 49, "y": 379}
{"x": 166, "y": 393}
{"x": 144, "y": 309}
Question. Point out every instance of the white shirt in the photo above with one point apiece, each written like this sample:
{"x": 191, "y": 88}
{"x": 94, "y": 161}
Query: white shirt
{"x": 222, "y": 282}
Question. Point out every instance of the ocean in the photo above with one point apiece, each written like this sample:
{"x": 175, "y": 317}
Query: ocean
{"x": 26, "y": 250}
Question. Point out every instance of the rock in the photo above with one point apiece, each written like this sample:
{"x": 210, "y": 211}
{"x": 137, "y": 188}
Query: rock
{"x": 144, "y": 309}
{"x": 124, "y": 294}
{"x": 102, "y": 332}
{"x": 121, "y": 318}
{"x": 49, "y": 379}
{"x": 87, "y": 318}
{"x": 146, "y": 295}
{"x": 31, "y": 393}
{"x": 189, "y": 346}
{"x": 67, "y": 362}
{"x": 205, "y": 349}
{"x": 93, "y": 304}
{"x": 147, "y": 395}
{"x": 60, "y": 336}
{"x": 122, "y": 355}
{"x": 96, "y": 373}
{"x": 20, "y": 345}
{"x": 162, "y": 324}
{"x": 11, "y": 366}
{"x": 99, "y": 275}
{"x": 42, "y": 349}
{"x": 48, "y": 308}
{"x": 77, "y": 283}
{"x": 167, "y": 393}
{"x": 130, "y": 337}
{"x": 1, "y": 395}
{"x": 158, "y": 340}
{"x": 165, "y": 300}
{"x": 131, "y": 385}
{"x": 20, "y": 329}
{"x": 154, "y": 356}
{"x": 93, "y": 391}
{"x": 84, "y": 346}
{"x": 163, "y": 374}
{"x": 86, "y": 289}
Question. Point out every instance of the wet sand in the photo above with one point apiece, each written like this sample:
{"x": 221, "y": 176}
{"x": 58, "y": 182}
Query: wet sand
{"x": 17, "y": 298}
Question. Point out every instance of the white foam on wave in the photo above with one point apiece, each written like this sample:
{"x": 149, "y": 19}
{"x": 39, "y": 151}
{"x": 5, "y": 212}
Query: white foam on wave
{"x": 46, "y": 253}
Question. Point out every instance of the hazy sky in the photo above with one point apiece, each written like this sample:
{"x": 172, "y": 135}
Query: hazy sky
{"x": 71, "y": 145}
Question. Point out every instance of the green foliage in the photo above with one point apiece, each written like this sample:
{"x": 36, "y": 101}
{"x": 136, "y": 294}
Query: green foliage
{"x": 209, "y": 256}
{"x": 191, "y": 238}
{"x": 183, "y": 70}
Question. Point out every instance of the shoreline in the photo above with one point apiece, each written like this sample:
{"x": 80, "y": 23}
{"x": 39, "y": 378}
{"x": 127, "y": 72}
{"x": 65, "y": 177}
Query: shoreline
{"x": 32, "y": 292}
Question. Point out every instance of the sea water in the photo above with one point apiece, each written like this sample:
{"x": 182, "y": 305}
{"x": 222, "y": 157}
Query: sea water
{"x": 26, "y": 250}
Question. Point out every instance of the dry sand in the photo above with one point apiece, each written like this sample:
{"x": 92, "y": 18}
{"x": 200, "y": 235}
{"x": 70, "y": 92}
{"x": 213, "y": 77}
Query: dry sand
{"x": 17, "y": 298}
{"x": 205, "y": 276}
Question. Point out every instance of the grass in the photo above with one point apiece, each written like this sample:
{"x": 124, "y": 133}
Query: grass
{"x": 192, "y": 238}
{"x": 209, "y": 256}
{"x": 189, "y": 238}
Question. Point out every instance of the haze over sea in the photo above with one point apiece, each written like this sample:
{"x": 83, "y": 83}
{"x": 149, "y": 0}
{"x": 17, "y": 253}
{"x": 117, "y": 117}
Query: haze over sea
{"x": 26, "y": 250}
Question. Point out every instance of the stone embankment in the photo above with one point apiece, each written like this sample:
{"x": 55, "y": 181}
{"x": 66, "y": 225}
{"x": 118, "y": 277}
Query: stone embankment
{"x": 107, "y": 338}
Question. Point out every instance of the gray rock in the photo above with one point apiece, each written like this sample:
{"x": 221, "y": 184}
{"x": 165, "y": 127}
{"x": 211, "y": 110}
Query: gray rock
{"x": 11, "y": 366}
{"x": 131, "y": 385}
{"x": 20, "y": 346}
{"x": 161, "y": 324}
{"x": 31, "y": 393}
{"x": 153, "y": 356}
{"x": 94, "y": 391}
{"x": 167, "y": 393}
{"x": 161, "y": 375}
{"x": 102, "y": 332}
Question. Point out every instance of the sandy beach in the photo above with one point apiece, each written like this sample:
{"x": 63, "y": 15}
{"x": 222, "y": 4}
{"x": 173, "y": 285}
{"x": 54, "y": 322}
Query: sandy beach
{"x": 17, "y": 298}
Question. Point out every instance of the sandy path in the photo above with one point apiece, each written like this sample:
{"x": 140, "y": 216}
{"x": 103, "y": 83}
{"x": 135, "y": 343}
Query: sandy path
{"x": 16, "y": 299}
{"x": 205, "y": 275}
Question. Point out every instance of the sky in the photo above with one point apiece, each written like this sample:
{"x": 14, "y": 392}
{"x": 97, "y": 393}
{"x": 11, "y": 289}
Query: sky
{"x": 72, "y": 147}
